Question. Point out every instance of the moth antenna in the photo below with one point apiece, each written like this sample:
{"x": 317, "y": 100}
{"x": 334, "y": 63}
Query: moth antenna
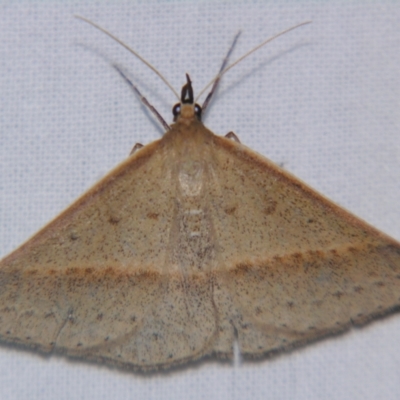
{"x": 223, "y": 72}
{"x": 143, "y": 99}
{"x": 217, "y": 79}
{"x": 131, "y": 51}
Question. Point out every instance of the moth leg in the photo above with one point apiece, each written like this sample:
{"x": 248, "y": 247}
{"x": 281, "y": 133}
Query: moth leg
{"x": 135, "y": 148}
{"x": 231, "y": 135}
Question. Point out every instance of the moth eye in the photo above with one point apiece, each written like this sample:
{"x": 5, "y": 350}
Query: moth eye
{"x": 197, "y": 110}
{"x": 176, "y": 110}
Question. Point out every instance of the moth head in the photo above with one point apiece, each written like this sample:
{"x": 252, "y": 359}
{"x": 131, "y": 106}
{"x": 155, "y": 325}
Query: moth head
{"x": 187, "y": 109}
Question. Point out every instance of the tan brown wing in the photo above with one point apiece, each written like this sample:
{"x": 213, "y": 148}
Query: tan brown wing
{"x": 192, "y": 240}
{"x": 95, "y": 282}
{"x": 294, "y": 266}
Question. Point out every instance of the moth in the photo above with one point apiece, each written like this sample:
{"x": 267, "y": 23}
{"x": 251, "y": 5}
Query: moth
{"x": 194, "y": 243}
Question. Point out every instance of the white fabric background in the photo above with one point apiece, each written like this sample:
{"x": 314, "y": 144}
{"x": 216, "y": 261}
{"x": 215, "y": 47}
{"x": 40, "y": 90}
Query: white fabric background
{"x": 324, "y": 100}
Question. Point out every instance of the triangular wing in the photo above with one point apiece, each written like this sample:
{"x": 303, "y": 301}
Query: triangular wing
{"x": 295, "y": 267}
{"x": 191, "y": 241}
{"x": 95, "y": 283}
